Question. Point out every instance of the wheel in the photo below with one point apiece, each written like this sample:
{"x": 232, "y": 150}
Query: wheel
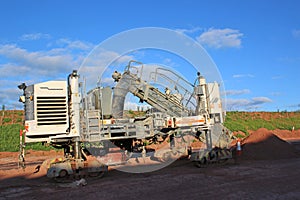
{"x": 167, "y": 157}
{"x": 97, "y": 174}
{"x": 202, "y": 163}
{"x": 225, "y": 155}
{"x": 213, "y": 155}
{"x": 63, "y": 173}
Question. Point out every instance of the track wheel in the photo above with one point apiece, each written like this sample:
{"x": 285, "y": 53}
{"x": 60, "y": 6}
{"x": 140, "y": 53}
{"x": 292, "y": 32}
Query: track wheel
{"x": 225, "y": 155}
{"x": 167, "y": 157}
{"x": 63, "y": 173}
{"x": 97, "y": 174}
{"x": 202, "y": 163}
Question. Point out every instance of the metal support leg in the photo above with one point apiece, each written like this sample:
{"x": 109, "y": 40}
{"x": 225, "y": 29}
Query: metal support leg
{"x": 21, "y": 151}
{"x": 77, "y": 152}
{"x": 208, "y": 139}
{"x": 172, "y": 141}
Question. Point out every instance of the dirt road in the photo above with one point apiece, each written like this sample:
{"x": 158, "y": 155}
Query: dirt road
{"x": 276, "y": 178}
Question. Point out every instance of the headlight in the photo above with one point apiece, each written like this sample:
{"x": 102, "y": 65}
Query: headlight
{"x": 22, "y": 99}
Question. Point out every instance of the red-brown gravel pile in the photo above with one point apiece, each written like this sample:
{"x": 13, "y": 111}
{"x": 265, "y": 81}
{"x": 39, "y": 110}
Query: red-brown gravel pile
{"x": 264, "y": 145}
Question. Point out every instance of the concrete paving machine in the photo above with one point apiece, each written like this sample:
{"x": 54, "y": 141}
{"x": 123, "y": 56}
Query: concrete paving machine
{"x": 95, "y": 131}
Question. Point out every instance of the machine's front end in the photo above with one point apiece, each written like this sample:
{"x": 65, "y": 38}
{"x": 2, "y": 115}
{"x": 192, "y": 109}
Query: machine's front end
{"x": 51, "y": 110}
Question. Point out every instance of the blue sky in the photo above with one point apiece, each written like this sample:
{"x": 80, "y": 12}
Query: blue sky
{"x": 255, "y": 44}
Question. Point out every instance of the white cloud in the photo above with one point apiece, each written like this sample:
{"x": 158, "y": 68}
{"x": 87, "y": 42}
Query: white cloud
{"x": 9, "y": 97}
{"x": 38, "y": 63}
{"x": 77, "y": 44}
{"x": 19, "y": 65}
{"x": 296, "y": 34}
{"x": 96, "y": 66}
{"x": 35, "y": 36}
{"x": 188, "y": 31}
{"x": 237, "y": 92}
{"x": 276, "y": 77}
{"x": 294, "y": 105}
{"x": 246, "y": 104}
{"x": 260, "y": 100}
{"x": 221, "y": 38}
{"x": 13, "y": 70}
{"x": 276, "y": 93}
{"x": 289, "y": 59}
{"x": 135, "y": 106}
{"x": 243, "y": 76}
{"x": 234, "y": 104}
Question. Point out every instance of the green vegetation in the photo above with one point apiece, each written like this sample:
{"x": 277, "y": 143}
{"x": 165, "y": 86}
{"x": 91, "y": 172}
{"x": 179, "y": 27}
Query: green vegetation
{"x": 10, "y": 139}
{"x": 132, "y": 114}
{"x": 11, "y": 117}
{"x": 245, "y": 121}
{"x": 12, "y": 121}
{"x": 6, "y": 120}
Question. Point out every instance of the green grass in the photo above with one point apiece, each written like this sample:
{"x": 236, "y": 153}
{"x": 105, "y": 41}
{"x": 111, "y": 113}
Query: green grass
{"x": 9, "y": 137}
{"x": 245, "y": 121}
{"x": 6, "y": 120}
{"x": 235, "y": 121}
{"x": 10, "y": 140}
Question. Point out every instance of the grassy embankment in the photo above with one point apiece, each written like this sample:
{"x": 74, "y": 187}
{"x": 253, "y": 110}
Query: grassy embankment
{"x": 246, "y": 121}
{"x": 12, "y": 121}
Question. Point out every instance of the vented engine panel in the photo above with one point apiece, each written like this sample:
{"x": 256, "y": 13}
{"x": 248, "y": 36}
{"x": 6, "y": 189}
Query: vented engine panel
{"x": 50, "y": 111}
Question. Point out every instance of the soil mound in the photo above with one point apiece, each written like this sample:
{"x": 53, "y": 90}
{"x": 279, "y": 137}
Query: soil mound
{"x": 287, "y": 135}
{"x": 264, "y": 145}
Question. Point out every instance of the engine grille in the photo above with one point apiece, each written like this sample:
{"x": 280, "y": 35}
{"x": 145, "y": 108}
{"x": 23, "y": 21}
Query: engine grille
{"x": 51, "y": 110}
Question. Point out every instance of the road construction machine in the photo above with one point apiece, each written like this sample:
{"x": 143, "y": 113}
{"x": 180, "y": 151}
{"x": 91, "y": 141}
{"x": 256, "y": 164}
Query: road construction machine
{"x": 95, "y": 130}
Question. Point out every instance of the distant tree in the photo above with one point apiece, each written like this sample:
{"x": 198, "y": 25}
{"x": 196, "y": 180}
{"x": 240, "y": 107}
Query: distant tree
{"x": 3, "y": 107}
